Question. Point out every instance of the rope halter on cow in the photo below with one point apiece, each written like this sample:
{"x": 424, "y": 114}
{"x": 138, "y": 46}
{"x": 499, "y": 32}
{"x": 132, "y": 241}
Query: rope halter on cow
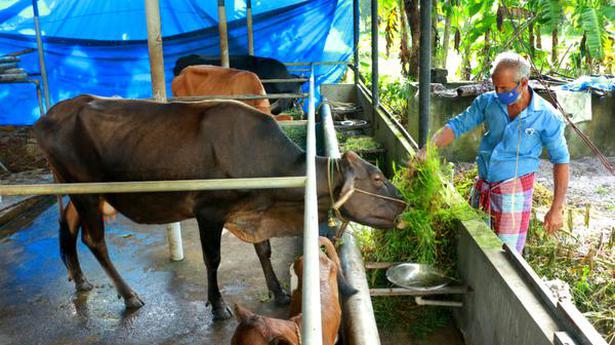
{"x": 332, "y": 165}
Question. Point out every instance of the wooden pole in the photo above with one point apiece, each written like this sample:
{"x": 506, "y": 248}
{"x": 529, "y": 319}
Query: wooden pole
{"x": 250, "y": 28}
{"x": 224, "y": 59}
{"x": 154, "y": 44}
{"x": 156, "y": 63}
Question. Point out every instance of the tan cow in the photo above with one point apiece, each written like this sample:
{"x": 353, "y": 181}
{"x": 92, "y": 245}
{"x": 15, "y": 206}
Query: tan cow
{"x": 205, "y": 80}
{"x": 254, "y": 329}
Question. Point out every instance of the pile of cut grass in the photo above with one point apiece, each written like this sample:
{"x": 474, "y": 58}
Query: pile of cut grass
{"x": 428, "y": 236}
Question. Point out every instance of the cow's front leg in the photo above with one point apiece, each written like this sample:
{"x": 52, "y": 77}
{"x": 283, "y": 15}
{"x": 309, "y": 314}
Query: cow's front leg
{"x": 263, "y": 250}
{"x": 211, "y": 235}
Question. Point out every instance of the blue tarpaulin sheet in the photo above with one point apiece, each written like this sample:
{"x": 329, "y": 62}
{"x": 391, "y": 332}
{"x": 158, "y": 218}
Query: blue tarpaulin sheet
{"x": 583, "y": 83}
{"x": 100, "y": 46}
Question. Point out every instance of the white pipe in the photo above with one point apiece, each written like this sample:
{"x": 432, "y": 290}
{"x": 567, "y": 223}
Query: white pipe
{"x": 421, "y": 301}
{"x": 311, "y": 332}
{"x": 331, "y": 146}
{"x": 174, "y": 236}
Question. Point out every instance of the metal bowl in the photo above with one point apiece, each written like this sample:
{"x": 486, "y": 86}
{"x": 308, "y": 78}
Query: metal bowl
{"x": 417, "y": 277}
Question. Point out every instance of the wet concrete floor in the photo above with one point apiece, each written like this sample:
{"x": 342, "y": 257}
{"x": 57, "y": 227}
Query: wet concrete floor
{"x": 39, "y": 306}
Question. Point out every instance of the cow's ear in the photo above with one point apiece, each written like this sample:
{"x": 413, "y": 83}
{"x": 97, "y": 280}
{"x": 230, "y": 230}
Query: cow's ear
{"x": 242, "y": 314}
{"x": 350, "y": 157}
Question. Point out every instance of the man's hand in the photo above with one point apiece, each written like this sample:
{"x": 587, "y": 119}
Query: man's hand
{"x": 421, "y": 155}
{"x": 554, "y": 219}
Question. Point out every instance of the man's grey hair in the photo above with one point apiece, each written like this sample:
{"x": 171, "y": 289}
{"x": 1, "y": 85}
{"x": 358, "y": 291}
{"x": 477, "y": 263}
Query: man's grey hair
{"x": 514, "y": 61}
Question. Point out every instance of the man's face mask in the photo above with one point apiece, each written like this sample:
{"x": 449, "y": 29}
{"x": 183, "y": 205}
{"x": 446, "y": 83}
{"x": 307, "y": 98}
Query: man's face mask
{"x": 511, "y": 96}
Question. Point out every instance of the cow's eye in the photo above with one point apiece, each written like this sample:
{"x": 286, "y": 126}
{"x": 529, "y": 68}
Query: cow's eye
{"x": 378, "y": 180}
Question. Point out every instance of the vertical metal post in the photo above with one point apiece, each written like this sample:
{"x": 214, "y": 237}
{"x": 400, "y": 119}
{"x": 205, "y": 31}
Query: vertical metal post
{"x": 224, "y": 59}
{"x": 250, "y": 28}
{"x": 356, "y": 21}
{"x": 425, "y": 72}
{"x": 156, "y": 62}
{"x": 375, "y": 95}
{"x": 41, "y": 57}
{"x": 311, "y": 332}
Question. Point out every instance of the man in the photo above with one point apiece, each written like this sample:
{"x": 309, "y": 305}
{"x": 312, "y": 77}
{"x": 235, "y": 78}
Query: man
{"x": 518, "y": 124}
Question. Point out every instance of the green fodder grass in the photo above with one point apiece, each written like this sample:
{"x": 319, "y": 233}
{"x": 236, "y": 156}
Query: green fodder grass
{"x": 428, "y": 236}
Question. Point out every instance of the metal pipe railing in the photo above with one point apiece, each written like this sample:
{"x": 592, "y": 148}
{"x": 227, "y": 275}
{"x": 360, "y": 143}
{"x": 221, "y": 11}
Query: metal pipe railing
{"x": 238, "y": 97}
{"x": 360, "y": 323}
{"x": 41, "y": 57}
{"x": 154, "y": 186}
{"x": 311, "y": 332}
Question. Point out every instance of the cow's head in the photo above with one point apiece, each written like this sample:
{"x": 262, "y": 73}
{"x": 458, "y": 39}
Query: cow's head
{"x": 254, "y": 329}
{"x": 366, "y": 196}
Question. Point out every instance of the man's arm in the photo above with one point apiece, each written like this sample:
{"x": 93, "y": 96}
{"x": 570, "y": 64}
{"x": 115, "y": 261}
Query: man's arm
{"x": 473, "y": 116}
{"x": 553, "y": 218}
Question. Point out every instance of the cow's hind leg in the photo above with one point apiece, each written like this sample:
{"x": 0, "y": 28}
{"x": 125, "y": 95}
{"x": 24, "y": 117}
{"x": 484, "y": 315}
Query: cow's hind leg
{"x": 211, "y": 236}
{"x": 93, "y": 236}
{"x": 69, "y": 230}
{"x": 263, "y": 250}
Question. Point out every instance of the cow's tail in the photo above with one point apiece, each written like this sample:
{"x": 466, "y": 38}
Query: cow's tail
{"x": 346, "y": 290}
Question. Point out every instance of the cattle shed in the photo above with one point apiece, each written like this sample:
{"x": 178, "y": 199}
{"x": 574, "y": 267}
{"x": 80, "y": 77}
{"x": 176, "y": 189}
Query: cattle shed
{"x": 128, "y": 49}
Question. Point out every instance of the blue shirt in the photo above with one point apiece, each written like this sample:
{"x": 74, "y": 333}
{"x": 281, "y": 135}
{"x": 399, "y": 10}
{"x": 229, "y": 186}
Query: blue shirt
{"x": 537, "y": 126}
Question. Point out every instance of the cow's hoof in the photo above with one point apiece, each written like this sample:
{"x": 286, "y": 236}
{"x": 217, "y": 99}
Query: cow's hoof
{"x": 223, "y": 312}
{"x": 133, "y": 302}
{"x": 282, "y": 298}
{"x": 84, "y": 286}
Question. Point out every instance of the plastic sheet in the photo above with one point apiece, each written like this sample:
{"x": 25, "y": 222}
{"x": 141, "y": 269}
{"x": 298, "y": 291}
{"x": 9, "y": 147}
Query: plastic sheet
{"x": 100, "y": 46}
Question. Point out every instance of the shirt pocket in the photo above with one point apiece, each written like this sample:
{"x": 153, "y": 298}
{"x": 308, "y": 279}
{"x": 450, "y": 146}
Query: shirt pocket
{"x": 530, "y": 141}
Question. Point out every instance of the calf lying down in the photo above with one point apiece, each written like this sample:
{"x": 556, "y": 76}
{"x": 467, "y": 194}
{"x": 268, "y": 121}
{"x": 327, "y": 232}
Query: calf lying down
{"x": 254, "y": 329}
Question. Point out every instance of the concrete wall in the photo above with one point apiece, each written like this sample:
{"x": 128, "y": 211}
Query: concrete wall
{"x": 501, "y": 309}
{"x": 600, "y": 130}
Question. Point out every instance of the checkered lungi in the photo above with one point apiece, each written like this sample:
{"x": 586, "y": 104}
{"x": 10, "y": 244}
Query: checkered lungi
{"x": 509, "y": 204}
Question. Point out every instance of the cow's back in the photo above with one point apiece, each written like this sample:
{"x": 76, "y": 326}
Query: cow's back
{"x": 204, "y": 80}
{"x": 91, "y": 139}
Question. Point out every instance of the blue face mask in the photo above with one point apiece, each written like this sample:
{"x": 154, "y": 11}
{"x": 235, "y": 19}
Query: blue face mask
{"x": 509, "y": 97}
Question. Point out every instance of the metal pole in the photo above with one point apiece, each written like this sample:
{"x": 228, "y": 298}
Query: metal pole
{"x": 41, "y": 57}
{"x": 375, "y": 95}
{"x": 156, "y": 61}
{"x": 425, "y": 72}
{"x": 311, "y": 332}
{"x": 224, "y": 59}
{"x": 331, "y": 146}
{"x": 250, "y": 29}
{"x": 356, "y": 20}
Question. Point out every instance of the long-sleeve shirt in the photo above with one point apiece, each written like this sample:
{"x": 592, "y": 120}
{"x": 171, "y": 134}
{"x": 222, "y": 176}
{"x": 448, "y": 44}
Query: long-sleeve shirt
{"x": 537, "y": 126}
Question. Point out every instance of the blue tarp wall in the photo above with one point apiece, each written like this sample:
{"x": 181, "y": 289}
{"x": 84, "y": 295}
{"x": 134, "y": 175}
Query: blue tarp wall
{"x": 100, "y": 46}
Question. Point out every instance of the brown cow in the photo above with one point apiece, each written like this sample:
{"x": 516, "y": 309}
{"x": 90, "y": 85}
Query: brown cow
{"x": 204, "y": 80}
{"x": 254, "y": 329}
